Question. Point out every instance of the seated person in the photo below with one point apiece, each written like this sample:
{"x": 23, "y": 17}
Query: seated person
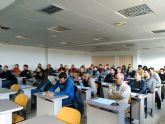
{"x": 119, "y": 91}
{"x": 151, "y": 82}
{"x": 16, "y": 70}
{"x": 110, "y": 77}
{"x": 138, "y": 85}
{"x": 25, "y": 73}
{"x": 162, "y": 75}
{"x": 66, "y": 86}
{"x": 155, "y": 75}
{"x": 49, "y": 69}
{"x": 87, "y": 81}
{"x": 96, "y": 73}
{"x": 42, "y": 83}
{"x": 7, "y": 75}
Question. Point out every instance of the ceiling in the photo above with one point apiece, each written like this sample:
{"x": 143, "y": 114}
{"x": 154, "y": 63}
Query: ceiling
{"x": 91, "y": 23}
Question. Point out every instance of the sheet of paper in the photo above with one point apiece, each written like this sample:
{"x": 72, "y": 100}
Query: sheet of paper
{"x": 104, "y": 101}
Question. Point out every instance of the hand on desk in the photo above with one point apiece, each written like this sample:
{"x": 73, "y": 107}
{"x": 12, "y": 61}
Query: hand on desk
{"x": 50, "y": 94}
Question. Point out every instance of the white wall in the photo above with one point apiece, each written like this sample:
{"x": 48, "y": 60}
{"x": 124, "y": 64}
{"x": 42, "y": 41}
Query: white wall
{"x": 11, "y": 54}
{"x": 57, "y": 57}
{"x": 152, "y": 58}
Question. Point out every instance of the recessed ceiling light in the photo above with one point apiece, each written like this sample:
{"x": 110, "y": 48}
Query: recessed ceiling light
{"x": 120, "y": 23}
{"x": 58, "y": 29}
{"x": 41, "y": 45}
{"x": 63, "y": 42}
{"x": 22, "y": 37}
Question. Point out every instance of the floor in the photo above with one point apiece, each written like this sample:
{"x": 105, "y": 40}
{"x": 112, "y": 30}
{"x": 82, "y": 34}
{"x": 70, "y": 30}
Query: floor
{"x": 159, "y": 117}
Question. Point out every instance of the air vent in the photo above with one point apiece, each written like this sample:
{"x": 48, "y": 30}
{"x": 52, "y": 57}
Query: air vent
{"x": 159, "y": 31}
{"x": 136, "y": 11}
{"x": 4, "y": 27}
{"x": 50, "y": 9}
{"x": 58, "y": 29}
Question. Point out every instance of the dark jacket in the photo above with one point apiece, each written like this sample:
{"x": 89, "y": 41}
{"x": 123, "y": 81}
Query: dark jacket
{"x": 109, "y": 78}
{"x": 25, "y": 73}
{"x": 138, "y": 86}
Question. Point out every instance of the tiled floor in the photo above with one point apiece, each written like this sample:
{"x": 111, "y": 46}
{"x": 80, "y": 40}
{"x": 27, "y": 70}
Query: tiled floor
{"x": 159, "y": 117}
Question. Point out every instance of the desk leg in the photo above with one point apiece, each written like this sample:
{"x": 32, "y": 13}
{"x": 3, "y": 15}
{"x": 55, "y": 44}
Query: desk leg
{"x": 6, "y": 118}
{"x": 141, "y": 106}
{"x": 88, "y": 94}
{"x": 28, "y": 93}
{"x": 57, "y": 106}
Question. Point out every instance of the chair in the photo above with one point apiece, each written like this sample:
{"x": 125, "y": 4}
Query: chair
{"x": 69, "y": 115}
{"x": 21, "y": 100}
{"x": 15, "y": 87}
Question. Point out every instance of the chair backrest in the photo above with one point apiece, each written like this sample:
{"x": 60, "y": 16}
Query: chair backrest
{"x": 15, "y": 87}
{"x": 69, "y": 115}
{"x": 21, "y": 99}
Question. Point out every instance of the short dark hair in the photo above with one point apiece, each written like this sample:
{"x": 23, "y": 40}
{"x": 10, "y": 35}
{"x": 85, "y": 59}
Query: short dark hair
{"x": 162, "y": 69}
{"x": 139, "y": 66}
{"x": 62, "y": 75}
{"x": 151, "y": 68}
{"x": 26, "y": 66}
{"x": 6, "y": 66}
{"x": 148, "y": 70}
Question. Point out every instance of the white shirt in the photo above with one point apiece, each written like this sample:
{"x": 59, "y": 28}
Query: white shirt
{"x": 120, "y": 93}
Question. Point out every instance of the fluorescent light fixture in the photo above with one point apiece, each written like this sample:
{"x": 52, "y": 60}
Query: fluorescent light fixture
{"x": 120, "y": 15}
{"x": 58, "y": 29}
{"x": 63, "y": 42}
{"x": 22, "y": 37}
{"x": 120, "y": 23}
{"x": 41, "y": 45}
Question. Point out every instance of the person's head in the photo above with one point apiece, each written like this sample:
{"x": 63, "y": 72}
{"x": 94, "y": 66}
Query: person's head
{"x": 82, "y": 69}
{"x": 61, "y": 65}
{"x": 62, "y": 77}
{"x": 129, "y": 66}
{"x": 100, "y": 65}
{"x": 62, "y": 70}
{"x": 119, "y": 78}
{"x": 5, "y": 68}
{"x": 72, "y": 66}
{"x": 86, "y": 77}
{"x": 151, "y": 70}
{"x": 16, "y": 66}
{"x": 48, "y": 66}
{"x": 112, "y": 70}
{"x": 65, "y": 66}
{"x": 137, "y": 76}
{"x": 161, "y": 71}
{"x": 118, "y": 69}
{"x": 39, "y": 65}
{"x": 145, "y": 67}
{"x": 0, "y": 66}
{"x": 124, "y": 67}
{"x": 147, "y": 73}
{"x": 139, "y": 67}
{"x": 25, "y": 67}
{"x": 95, "y": 68}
